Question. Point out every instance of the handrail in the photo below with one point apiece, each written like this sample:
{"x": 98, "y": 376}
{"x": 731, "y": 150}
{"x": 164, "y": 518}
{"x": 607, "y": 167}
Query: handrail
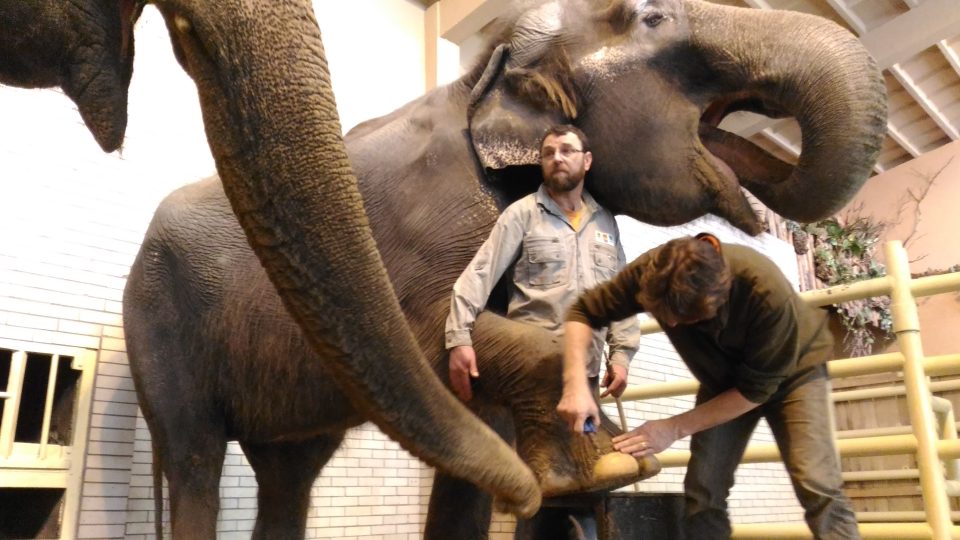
{"x": 947, "y": 364}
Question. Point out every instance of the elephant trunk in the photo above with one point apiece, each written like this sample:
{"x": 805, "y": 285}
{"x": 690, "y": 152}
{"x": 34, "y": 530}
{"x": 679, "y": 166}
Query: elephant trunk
{"x": 273, "y": 129}
{"x": 810, "y": 68}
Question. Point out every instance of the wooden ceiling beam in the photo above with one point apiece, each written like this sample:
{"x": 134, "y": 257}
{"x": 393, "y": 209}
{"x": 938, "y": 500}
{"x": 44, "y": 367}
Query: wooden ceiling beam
{"x": 910, "y": 34}
{"x": 884, "y": 50}
{"x": 460, "y": 19}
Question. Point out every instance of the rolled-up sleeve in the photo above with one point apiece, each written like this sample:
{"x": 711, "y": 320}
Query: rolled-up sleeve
{"x": 473, "y": 287}
{"x": 771, "y": 352}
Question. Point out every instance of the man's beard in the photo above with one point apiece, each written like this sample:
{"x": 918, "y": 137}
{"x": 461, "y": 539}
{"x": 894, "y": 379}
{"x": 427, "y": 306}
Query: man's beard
{"x": 566, "y": 183}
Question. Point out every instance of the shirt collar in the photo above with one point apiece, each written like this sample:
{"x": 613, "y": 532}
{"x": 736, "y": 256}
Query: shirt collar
{"x": 544, "y": 200}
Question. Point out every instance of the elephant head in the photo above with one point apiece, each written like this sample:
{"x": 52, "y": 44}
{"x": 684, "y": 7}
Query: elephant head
{"x": 272, "y": 126}
{"x": 85, "y": 48}
{"x": 650, "y": 81}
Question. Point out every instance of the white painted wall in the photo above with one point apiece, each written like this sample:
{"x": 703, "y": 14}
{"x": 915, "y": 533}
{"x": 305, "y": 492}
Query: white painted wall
{"x": 376, "y": 55}
{"x": 71, "y": 220}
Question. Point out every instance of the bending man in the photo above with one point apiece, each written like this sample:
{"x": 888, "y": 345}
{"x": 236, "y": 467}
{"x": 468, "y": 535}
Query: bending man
{"x": 758, "y": 351}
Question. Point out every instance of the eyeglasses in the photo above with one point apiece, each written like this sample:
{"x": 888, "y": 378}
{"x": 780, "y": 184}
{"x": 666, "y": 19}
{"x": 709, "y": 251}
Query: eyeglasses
{"x": 565, "y": 151}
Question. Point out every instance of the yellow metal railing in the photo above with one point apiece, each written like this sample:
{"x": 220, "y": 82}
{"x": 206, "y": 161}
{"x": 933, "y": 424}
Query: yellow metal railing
{"x": 934, "y": 443}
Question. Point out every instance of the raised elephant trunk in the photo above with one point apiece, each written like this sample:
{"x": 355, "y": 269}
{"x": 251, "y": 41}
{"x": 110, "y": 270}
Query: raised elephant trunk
{"x": 273, "y": 128}
{"x": 792, "y": 64}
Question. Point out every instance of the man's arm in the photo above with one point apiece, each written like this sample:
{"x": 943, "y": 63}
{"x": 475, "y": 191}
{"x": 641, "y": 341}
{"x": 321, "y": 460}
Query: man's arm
{"x": 656, "y": 436}
{"x": 596, "y": 308}
{"x": 611, "y": 301}
{"x": 470, "y": 295}
{"x": 576, "y": 404}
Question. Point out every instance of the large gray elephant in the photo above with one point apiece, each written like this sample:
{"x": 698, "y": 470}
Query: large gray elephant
{"x": 211, "y": 344}
{"x": 272, "y": 126}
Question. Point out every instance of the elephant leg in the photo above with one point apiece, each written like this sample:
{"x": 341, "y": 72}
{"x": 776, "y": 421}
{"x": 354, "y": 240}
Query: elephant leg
{"x": 186, "y": 428}
{"x": 521, "y": 366}
{"x": 459, "y": 509}
{"x": 285, "y": 473}
{"x": 193, "y": 451}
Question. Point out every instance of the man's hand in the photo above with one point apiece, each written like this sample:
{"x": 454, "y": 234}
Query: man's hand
{"x": 577, "y": 405}
{"x": 463, "y": 366}
{"x": 651, "y": 438}
{"x": 615, "y": 381}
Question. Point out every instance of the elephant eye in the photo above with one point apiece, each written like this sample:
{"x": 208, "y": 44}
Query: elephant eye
{"x": 653, "y": 19}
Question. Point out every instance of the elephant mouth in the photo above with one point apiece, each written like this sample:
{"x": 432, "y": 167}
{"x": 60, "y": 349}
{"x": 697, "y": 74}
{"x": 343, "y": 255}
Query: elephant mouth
{"x": 742, "y": 159}
{"x": 130, "y": 11}
{"x": 725, "y": 105}
{"x": 99, "y": 77}
{"x": 743, "y": 162}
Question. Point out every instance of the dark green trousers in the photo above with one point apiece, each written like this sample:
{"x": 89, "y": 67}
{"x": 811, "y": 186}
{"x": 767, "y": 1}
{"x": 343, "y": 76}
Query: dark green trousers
{"x": 800, "y": 421}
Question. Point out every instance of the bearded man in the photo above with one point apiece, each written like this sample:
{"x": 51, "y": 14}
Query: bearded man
{"x": 559, "y": 243}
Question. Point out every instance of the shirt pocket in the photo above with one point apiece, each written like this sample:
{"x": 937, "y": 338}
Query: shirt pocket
{"x": 604, "y": 261}
{"x": 546, "y": 261}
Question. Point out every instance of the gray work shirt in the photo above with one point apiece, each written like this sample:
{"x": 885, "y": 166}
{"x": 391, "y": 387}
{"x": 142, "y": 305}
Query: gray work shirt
{"x": 552, "y": 265}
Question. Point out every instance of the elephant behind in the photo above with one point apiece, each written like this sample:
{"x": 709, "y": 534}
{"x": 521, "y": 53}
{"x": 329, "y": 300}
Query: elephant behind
{"x": 209, "y": 340}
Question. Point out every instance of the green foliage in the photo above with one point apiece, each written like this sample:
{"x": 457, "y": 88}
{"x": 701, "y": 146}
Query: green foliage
{"x": 843, "y": 252}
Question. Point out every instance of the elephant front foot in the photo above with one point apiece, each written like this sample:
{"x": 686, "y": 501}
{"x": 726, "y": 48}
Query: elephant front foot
{"x": 566, "y": 463}
{"x": 617, "y": 469}
{"x": 610, "y": 471}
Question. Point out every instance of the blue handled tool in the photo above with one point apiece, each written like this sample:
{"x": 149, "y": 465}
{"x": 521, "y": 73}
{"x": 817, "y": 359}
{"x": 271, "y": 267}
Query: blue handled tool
{"x": 588, "y": 425}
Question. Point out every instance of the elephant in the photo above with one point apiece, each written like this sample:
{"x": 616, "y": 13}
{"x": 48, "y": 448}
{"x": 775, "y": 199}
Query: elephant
{"x": 271, "y": 122}
{"x": 649, "y": 82}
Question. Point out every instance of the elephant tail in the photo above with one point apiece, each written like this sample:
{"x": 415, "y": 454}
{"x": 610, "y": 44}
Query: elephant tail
{"x": 157, "y": 494}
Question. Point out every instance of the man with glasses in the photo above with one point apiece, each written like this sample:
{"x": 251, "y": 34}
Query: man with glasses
{"x": 559, "y": 242}
{"x": 758, "y": 351}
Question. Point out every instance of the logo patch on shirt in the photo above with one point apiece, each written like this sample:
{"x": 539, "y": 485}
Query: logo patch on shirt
{"x": 604, "y": 238}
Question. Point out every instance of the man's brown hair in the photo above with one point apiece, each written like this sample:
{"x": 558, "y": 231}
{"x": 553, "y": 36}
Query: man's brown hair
{"x": 562, "y": 129}
{"x": 686, "y": 278}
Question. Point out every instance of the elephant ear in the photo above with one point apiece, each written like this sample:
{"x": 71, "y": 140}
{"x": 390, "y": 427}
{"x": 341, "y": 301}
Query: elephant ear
{"x": 526, "y": 87}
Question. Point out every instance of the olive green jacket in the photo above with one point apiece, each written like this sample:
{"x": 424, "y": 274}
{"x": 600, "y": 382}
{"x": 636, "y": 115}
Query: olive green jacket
{"x": 764, "y": 339}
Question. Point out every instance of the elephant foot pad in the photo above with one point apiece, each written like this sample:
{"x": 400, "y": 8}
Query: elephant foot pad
{"x": 611, "y": 471}
{"x": 617, "y": 466}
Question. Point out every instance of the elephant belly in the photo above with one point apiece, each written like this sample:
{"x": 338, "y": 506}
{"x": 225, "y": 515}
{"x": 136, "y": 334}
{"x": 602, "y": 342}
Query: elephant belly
{"x": 207, "y": 330}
